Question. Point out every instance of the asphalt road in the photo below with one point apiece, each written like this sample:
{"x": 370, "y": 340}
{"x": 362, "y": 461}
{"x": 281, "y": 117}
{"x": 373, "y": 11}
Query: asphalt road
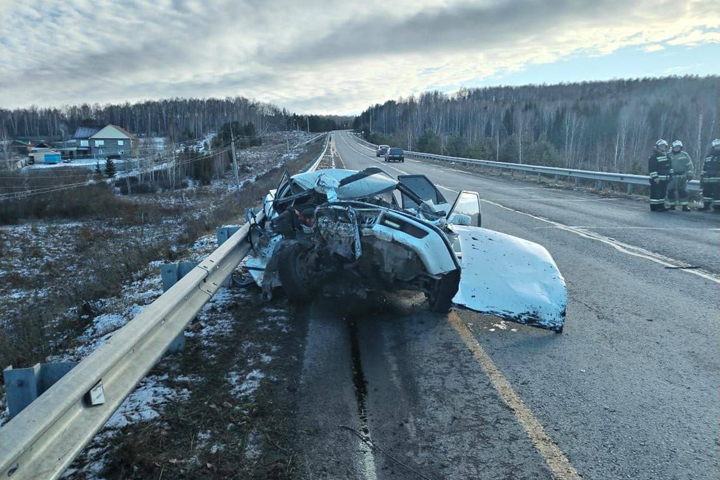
{"x": 629, "y": 390}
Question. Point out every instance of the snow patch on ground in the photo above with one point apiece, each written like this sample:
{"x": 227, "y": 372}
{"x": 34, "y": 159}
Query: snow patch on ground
{"x": 245, "y": 385}
{"x": 146, "y": 402}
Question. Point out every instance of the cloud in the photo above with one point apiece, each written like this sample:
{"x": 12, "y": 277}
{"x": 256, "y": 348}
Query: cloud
{"x": 316, "y": 55}
{"x": 695, "y": 37}
{"x": 656, "y": 47}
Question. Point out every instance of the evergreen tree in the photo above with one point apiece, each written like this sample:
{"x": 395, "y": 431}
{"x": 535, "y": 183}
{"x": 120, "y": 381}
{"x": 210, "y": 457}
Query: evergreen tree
{"x": 429, "y": 142}
{"x": 110, "y": 170}
{"x": 456, "y": 146}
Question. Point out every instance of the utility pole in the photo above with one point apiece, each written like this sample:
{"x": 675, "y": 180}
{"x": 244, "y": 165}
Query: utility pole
{"x": 308, "y": 123}
{"x": 234, "y": 158}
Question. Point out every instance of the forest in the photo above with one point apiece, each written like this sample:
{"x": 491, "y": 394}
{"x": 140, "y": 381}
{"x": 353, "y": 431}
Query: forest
{"x": 602, "y": 125}
{"x": 178, "y": 119}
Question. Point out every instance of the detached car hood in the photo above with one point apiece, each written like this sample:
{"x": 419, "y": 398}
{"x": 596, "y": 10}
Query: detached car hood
{"x": 509, "y": 277}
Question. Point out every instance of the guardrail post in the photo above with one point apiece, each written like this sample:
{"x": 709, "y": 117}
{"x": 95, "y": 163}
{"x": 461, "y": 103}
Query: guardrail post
{"x": 223, "y": 233}
{"x": 600, "y": 185}
{"x": 171, "y": 274}
{"x": 24, "y": 385}
{"x": 524, "y": 176}
{"x": 538, "y": 178}
{"x": 629, "y": 188}
{"x": 500, "y": 172}
{"x": 556, "y": 179}
{"x": 577, "y": 181}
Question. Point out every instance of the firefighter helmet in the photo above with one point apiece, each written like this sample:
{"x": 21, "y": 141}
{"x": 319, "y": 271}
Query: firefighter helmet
{"x": 661, "y": 144}
{"x": 677, "y": 143}
{"x": 716, "y": 142}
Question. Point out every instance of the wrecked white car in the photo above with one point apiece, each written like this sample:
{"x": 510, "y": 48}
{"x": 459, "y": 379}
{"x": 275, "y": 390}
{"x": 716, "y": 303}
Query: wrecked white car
{"x": 332, "y": 228}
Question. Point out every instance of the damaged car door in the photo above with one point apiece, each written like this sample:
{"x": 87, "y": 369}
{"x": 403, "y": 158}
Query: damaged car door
{"x": 423, "y": 188}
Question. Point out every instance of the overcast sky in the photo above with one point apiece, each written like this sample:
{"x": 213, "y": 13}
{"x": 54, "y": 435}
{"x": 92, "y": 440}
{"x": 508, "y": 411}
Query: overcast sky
{"x": 337, "y": 56}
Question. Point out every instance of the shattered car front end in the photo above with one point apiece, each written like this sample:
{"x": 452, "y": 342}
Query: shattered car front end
{"x": 367, "y": 230}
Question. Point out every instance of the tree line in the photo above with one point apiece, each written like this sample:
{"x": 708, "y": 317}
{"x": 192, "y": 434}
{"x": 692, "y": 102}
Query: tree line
{"x": 178, "y": 119}
{"x": 603, "y": 125}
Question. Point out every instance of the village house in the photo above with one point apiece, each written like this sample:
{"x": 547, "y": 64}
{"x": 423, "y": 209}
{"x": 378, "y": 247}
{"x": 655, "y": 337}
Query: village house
{"x": 100, "y": 142}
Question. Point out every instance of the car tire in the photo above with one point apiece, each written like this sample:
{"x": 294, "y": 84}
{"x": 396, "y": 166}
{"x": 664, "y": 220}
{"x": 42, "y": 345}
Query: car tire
{"x": 440, "y": 298}
{"x": 297, "y": 288}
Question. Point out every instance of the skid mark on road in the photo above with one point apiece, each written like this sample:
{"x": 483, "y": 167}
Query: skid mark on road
{"x": 619, "y": 246}
{"x": 561, "y": 467}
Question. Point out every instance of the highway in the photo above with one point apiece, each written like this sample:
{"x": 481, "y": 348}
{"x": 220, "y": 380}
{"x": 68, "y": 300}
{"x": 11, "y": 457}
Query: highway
{"x": 629, "y": 390}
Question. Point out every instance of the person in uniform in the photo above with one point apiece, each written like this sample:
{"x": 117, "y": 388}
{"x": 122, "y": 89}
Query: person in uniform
{"x": 660, "y": 170}
{"x": 683, "y": 171}
{"x": 710, "y": 178}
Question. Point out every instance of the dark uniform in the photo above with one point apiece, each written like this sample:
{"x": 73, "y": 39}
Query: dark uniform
{"x": 710, "y": 180}
{"x": 660, "y": 169}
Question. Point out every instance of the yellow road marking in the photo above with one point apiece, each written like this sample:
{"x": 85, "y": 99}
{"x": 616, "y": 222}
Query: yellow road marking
{"x": 561, "y": 467}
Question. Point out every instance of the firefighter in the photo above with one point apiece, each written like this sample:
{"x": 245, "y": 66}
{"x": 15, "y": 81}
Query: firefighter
{"x": 683, "y": 171}
{"x": 710, "y": 178}
{"x": 661, "y": 171}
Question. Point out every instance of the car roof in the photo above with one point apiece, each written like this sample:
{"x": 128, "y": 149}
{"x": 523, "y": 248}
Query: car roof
{"x": 366, "y": 183}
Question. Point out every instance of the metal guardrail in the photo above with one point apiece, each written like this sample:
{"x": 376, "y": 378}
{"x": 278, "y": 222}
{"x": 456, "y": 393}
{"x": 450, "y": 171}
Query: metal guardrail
{"x": 44, "y": 438}
{"x": 600, "y": 177}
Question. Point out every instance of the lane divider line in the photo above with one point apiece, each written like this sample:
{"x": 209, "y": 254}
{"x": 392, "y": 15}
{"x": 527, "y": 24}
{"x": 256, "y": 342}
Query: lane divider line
{"x": 559, "y": 464}
{"x": 617, "y": 245}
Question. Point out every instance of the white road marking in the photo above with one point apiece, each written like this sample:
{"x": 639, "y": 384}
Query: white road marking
{"x": 619, "y": 246}
{"x": 368, "y": 461}
{"x": 448, "y": 189}
{"x": 600, "y": 227}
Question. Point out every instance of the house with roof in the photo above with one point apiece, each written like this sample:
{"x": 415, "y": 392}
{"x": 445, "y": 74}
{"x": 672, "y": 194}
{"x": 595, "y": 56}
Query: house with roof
{"x": 100, "y": 142}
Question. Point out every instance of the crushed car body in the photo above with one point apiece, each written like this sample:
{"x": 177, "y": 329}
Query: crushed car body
{"x": 331, "y": 229}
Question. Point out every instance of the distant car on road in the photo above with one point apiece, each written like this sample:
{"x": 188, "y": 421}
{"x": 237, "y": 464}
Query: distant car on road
{"x": 381, "y": 150}
{"x": 395, "y": 155}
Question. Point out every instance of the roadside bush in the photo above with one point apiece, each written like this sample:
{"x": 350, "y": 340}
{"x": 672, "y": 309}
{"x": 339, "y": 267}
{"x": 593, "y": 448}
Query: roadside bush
{"x": 542, "y": 153}
{"x": 380, "y": 139}
{"x": 56, "y": 202}
{"x": 484, "y": 150}
{"x": 429, "y": 142}
{"x": 456, "y": 146}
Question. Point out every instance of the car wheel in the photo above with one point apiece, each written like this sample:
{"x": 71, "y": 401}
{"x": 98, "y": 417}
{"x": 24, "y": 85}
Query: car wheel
{"x": 442, "y": 293}
{"x": 297, "y": 286}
